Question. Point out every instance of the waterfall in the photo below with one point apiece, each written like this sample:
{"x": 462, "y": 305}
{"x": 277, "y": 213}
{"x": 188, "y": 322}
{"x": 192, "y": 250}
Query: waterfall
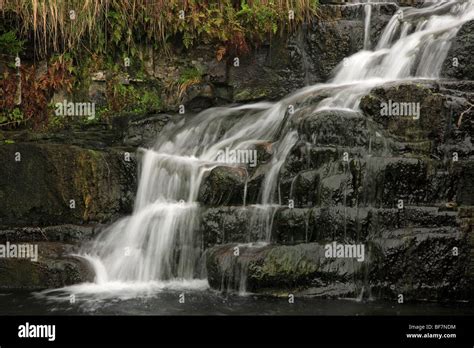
{"x": 368, "y": 15}
{"x": 159, "y": 242}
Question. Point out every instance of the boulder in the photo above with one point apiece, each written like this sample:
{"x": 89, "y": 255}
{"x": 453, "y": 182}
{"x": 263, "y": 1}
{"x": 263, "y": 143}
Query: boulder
{"x": 54, "y": 268}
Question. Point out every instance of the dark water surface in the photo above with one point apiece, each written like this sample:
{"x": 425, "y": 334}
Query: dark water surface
{"x": 212, "y": 303}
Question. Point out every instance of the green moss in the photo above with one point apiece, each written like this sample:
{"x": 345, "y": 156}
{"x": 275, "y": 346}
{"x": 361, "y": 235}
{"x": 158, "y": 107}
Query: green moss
{"x": 190, "y": 74}
{"x": 285, "y": 263}
{"x": 250, "y": 94}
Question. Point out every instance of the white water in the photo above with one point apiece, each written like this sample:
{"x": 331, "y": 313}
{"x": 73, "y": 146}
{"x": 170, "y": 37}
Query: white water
{"x": 368, "y": 15}
{"x": 158, "y": 244}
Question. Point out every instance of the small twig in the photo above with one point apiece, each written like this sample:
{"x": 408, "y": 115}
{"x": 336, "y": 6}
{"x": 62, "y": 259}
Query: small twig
{"x": 462, "y": 114}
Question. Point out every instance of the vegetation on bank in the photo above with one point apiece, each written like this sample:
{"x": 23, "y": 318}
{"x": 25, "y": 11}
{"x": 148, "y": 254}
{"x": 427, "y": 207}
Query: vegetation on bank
{"x": 58, "y": 26}
{"x": 77, "y": 37}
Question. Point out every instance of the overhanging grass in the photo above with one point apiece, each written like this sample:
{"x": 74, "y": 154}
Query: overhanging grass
{"x": 101, "y": 25}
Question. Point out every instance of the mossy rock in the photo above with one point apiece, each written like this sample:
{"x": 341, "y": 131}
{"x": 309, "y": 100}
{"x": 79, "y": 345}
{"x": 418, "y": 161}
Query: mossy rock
{"x": 54, "y": 268}
{"x": 54, "y": 184}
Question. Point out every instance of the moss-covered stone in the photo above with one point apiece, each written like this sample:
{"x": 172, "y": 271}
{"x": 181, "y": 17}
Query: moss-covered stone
{"x": 54, "y": 268}
{"x": 55, "y": 183}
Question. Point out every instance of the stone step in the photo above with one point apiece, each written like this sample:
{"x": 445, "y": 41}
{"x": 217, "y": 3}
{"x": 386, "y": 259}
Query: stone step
{"x": 418, "y": 268}
{"x": 283, "y": 225}
{"x": 71, "y": 234}
{"x": 366, "y": 181}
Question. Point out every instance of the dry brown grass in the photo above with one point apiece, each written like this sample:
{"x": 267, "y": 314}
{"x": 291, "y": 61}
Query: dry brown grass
{"x": 48, "y": 22}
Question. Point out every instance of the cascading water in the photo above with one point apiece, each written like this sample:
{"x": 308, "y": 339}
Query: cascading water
{"x": 159, "y": 241}
{"x": 368, "y": 15}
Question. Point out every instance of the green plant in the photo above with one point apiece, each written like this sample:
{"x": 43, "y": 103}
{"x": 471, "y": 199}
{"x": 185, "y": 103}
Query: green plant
{"x": 190, "y": 74}
{"x": 149, "y": 102}
{"x": 130, "y": 98}
{"x": 35, "y": 91}
{"x": 188, "y": 77}
{"x": 100, "y": 26}
{"x": 14, "y": 117}
{"x": 10, "y": 44}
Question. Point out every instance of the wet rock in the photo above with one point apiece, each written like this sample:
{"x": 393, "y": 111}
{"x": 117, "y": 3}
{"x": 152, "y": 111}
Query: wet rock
{"x": 354, "y": 9}
{"x": 440, "y": 106}
{"x": 464, "y": 172}
{"x": 340, "y": 33}
{"x": 458, "y": 63}
{"x": 222, "y": 225}
{"x": 278, "y": 68}
{"x": 334, "y": 190}
{"x": 331, "y": 41}
{"x": 60, "y": 184}
{"x": 377, "y": 181}
{"x": 382, "y": 220}
{"x": 61, "y": 233}
{"x": 264, "y": 268}
{"x": 127, "y": 131}
{"x": 291, "y": 226}
{"x": 223, "y": 186}
{"x": 239, "y": 185}
{"x": 352, "y": 224}
{"x": 305, "y": 156}
{"x": 413, "y": 180}
{"x": 301, "y": 189}
{"x": 342, "y": 224}
{"x": 143, "y": 131}
{"x": 420, "y": 264}
{"x": 237, "y": 224}
{"x": 335, "y": 128}
{"x": 397, "y": 179}
{"x": 217, "y": 71}
{"x": 432, "y": 115}
{"x": 53, "y": 269}
{"x": 199, "y": 97}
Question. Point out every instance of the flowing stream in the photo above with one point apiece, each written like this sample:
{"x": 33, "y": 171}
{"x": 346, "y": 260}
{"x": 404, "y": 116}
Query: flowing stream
{"x": 159, "y": 244}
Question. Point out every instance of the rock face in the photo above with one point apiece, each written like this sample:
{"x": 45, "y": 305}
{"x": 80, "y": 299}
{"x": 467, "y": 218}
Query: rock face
{"x": 142, "y": 131}
{"x": 284, "y": 64}
{"x": 278, "y": 66}
{"x": 458, "y": 63}
{"x": 340, "y": 34}
{"x": 418, "y": 262}
{"x": 57, "y": 189}
{"x": 44, "y": 184}
{"x": 388, "y": 183}
{"x": 80, "y": 175}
